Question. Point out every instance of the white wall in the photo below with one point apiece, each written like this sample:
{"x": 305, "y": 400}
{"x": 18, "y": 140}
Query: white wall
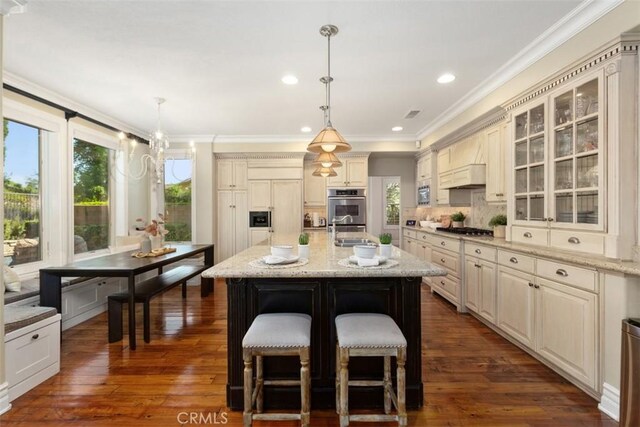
{"x": 393, "y": 165}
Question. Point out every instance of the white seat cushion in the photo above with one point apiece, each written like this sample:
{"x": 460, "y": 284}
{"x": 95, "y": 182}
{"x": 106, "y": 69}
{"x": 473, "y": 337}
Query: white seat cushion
{"x": 279, "y": 330}
{"x": 368, "y": 330}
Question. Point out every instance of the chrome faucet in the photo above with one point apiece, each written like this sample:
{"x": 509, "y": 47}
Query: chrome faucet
{"x": 333, "y": 224}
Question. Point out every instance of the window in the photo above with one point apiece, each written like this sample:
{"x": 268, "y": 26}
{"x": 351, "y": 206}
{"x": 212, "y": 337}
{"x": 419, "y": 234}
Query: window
{"x": 22, "y": 199}
{"x": 177, "y": 199}
{"x": 91, "y": 189}
{"x": 392, "y": 203}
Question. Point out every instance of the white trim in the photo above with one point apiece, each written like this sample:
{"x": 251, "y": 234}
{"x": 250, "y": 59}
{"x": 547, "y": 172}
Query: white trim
{"x": 4, "y": 398}
{"x": 299, "y": 139}
{"x": 610, "y": 401}
{"x": 37, "y": 90}
{"x": 571, "y": 24}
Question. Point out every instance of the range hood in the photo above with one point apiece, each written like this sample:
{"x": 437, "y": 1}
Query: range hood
{"x": 469, "y": 176}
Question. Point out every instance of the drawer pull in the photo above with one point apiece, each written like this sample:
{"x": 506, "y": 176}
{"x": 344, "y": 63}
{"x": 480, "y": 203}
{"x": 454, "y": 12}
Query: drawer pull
{"x": 442, "y": 260}
{"x": 478, "y": 251}
{"x": 477, "y": 265}
{"x": 441, "y": 282}
{"x": 35, "y": 337}
{"x": 424, "y": 237}
{"x": 527, "y": 235}
{"x": 499, "y": 194}
{"x": 513, "y": 260}
{"x": 424, "y": 247}
{"x": 573, "y": 240}
{"x": 442, "y": 243}
{"x": 530, "y": 285}
{"x": 536, "y": 286}
{"x": 561, "y": 272}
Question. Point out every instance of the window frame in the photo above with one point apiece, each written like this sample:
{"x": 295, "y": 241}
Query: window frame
{"x": 386, "y": 181}
{"x": 183, "y": 154}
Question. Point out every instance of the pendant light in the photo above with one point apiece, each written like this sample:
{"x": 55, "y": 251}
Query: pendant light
{"x": 329, "y": 139}
{"x": 324, "y": 172}
{"x": 327, "y": 160}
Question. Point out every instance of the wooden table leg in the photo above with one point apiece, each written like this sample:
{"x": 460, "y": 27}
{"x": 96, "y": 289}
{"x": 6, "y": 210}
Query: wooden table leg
{"x": 132, "y": 312}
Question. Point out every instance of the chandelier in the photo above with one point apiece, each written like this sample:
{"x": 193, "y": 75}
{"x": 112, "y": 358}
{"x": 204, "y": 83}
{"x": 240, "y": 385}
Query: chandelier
{"x": 329, "y": 139}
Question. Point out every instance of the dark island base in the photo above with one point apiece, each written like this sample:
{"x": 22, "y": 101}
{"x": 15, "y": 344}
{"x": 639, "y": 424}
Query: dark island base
{"x": 323, "y": 300}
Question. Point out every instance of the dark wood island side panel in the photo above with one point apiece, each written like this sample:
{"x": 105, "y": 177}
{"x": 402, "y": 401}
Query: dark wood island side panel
{"x": 324, "y": 299}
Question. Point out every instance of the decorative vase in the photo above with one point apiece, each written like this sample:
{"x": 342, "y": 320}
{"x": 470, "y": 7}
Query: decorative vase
{"x": 145, "y": 245}
{"x": 499, "y": 231}
{"x": 303, "y": 251}
{"x": 458, "y": 224}
{"x": 386, "y": 250}
{"x": 156, "y": 242}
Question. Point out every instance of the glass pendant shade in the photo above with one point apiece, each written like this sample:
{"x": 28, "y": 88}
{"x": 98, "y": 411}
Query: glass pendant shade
{"x": 327, "y": 160}
{"x": 329, "y": 140}
{"x": 324, "y": 172}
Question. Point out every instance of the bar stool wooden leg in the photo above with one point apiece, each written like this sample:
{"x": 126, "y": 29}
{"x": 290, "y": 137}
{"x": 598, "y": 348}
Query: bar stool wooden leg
{"x": 248, "y": 386}
{"x": 387, "y": 385}
{"x": 259, "y": 385}
{"x": 305, "y": 385}
{"x": 344, "y": 387}
{"x": 402, "y": 408}
{"x": 337, "y": 379}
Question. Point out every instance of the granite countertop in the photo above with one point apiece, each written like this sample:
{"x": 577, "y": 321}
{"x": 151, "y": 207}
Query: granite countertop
{"x": 578, "y": 258}
{"x": 323, "y": 261}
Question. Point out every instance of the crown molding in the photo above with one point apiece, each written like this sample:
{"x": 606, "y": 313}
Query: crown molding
{"x": 298, "y": 139}
{"x": 490, "y": 118}
{"x": 260, "y": 156}
{"x": 571, "y": 24}
{"x": 37, "y": 90}
{"x": 12, "y": 7}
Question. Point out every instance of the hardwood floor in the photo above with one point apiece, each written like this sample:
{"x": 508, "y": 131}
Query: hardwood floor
{"x": 472, "y": 376}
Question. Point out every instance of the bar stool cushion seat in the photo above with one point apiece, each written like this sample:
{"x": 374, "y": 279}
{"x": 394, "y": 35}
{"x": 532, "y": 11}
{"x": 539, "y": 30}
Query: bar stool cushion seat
{"x": 368, "y": 330}
{"x": 279, "y": 330}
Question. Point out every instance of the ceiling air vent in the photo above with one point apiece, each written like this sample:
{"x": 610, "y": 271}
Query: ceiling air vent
{"x": 411, "y": 114}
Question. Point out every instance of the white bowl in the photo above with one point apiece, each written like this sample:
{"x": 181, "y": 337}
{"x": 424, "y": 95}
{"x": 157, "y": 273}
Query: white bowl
{"x": 365, "y": 251}
{"x": 425, "y": 223}
{"x": 285, "y": 251}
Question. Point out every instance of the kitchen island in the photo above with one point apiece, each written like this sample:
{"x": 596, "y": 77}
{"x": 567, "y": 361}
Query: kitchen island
{"x": 324, "y": 287}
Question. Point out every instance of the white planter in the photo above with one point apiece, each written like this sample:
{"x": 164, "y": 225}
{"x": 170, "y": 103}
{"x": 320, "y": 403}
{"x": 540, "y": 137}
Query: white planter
{"x": 458, "y": 224}
{"x": 386, "y": 250}
{"x": 145, "y": 245}
{"x": 499, "y": 231}
{"x": 303, "y": 251}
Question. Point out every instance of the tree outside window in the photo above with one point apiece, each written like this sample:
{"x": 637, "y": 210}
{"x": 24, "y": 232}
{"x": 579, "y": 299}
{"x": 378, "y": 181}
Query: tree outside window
{"x": 392, "y": 204}
{"x": 177, "y": 199}
{"x": 90, "y": 196}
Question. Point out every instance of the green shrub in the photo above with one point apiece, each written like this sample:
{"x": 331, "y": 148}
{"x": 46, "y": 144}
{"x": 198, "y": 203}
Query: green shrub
{"x": 178, "y": 232}
{"x": 498, "y": 220}
{"x": 385, "y": 238}
{"x": 458, "y": 216}
{"x": 14, "y": 229}
{"x": 95, "y": 235}
{"x": 303, "y": 239}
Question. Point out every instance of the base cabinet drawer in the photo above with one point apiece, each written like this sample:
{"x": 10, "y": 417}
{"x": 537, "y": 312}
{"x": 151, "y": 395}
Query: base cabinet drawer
{"x": 530, "y": 235}
{"x": 447, "y": 260}
{"x": 581, "y": 242}
{"x": 575, "y": 276}
{"x": 448, "y": 287}
{"x": 517, "y": 261}
{"x": 479, "y": 251}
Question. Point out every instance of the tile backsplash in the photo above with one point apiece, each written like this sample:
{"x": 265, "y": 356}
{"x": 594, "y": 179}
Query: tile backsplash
{"x": 478, "y": 215}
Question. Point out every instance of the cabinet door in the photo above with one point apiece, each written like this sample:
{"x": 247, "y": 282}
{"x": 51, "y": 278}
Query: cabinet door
{"x": 257, "y": 235}
{"x": 516, "y": 305}
{"x": 260, "y": 195}
{"x": 286, "y": 215}
{"x": 340, "y": 180}
{"x": 566, "y": 329}
{"x": 409, "y": 245}
{"x": 424, "y": 168}
{"x": 496, "y": 164}
{"x": 444, "y": 161}
{"x": 487, "y": 279}
{"x": 226, "y": 222}
{"x": 241, "y": 221}
{"x": 239, "y": 175}
{"x": 224, "y": 174}
{"x": 357, "y": 172}
{"x": 315, "y": 187}
{"x": 472, "y": 284}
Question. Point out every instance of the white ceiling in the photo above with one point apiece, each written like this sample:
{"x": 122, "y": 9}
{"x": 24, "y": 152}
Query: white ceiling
{"x": 219, "y": 64}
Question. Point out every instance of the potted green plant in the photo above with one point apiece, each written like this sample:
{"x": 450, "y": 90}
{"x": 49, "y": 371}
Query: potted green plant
{"x": 385, "y": 245}
{"x": 303, "y": 246}
{"x": 498, "y": 222}
{"x": 458, "y": 219}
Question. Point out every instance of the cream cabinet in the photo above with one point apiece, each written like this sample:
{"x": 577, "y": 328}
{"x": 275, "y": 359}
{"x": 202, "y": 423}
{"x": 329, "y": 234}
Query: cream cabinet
{"x": 480, "y": 285}
{"x": 257, "y": 235}
{"x": 516, "y": 305}
{"x": 423, "y": 168}
{"x": 231, "y": 174}
{"x": 354, "y": 172}
{"x": 496, "y": 146}
{"x": 315, "y": 187}
{"x": 233, "y": 223}
{"x": 260, "y": 195}
{"x": 283, "y": 198}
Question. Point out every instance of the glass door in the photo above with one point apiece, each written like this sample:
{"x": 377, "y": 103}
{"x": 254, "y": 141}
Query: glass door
{"x": 529, "y": 161}
{"x": 576, "y": 168}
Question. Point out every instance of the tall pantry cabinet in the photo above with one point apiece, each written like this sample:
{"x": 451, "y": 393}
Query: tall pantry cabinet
{"x": 232, "y": 207}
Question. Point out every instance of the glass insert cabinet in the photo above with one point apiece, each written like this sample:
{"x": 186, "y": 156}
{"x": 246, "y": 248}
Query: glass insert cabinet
{"x": 558, "y": 158}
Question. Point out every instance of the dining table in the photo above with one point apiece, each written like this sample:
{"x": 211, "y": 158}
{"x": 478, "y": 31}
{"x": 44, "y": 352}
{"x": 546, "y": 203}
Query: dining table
{"x": 126, "y": 265}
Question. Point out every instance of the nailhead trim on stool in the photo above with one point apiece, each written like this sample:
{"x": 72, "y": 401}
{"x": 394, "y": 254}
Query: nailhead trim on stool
{"x": 370, "y": 335}
{"x": 276, "y": 334}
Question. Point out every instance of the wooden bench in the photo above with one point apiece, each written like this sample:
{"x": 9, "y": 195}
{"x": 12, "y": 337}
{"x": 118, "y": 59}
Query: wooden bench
{"x": 144, "y": 293}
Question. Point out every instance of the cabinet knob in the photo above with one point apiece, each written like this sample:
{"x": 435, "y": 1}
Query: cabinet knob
{"x": 478, "y": 251}
{"x": 530, "y": 285}
{"x": 562, "y": 272}
{"x": 477, "y": 265}
{"x": 536, "y": 286}
{"x": 527, "y": 235}
{"x": 442, "y": 282}
{"x": 573, "y": 240}
{"x": 499, "y": 194}
{"x": 424, "y": 247}
{"x": 443, "y": 243}
{"x": 513, "y": 260}
{"x": 442, "y": 259}
{"x": 35, "y": 336}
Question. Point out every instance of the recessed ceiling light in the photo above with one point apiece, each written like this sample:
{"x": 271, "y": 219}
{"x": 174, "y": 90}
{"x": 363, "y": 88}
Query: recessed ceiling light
{"x": 446, "y": 78}
{"x": 290, "y": 79}
{"x": 396, "y": 128}
{"x": 305, "y": 129}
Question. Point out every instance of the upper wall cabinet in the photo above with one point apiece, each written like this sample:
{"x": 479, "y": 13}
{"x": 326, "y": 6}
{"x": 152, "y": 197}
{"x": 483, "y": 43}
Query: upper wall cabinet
{"x": 315, "y": 187}
{"x": 496, "y": 146}
{"x": 423, "y": 168}
{"x": 231, "y": 174}
{"x": 354, "y": 172}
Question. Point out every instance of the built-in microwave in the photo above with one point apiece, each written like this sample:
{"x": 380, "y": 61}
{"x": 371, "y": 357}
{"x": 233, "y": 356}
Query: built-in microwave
{"x": 424, "y": 195}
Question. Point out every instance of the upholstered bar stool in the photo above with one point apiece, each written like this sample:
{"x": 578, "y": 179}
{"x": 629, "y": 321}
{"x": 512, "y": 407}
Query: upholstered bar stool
{"x": 367, "y": 335}
{"x": 276, "y": 334}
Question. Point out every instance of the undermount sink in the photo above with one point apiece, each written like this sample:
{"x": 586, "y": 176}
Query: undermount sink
{"x": 354, "y": 242}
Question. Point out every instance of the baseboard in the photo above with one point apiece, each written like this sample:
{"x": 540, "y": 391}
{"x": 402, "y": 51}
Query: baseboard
{"x": 4, "y": 398}
{"x": 610, "y": 401}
